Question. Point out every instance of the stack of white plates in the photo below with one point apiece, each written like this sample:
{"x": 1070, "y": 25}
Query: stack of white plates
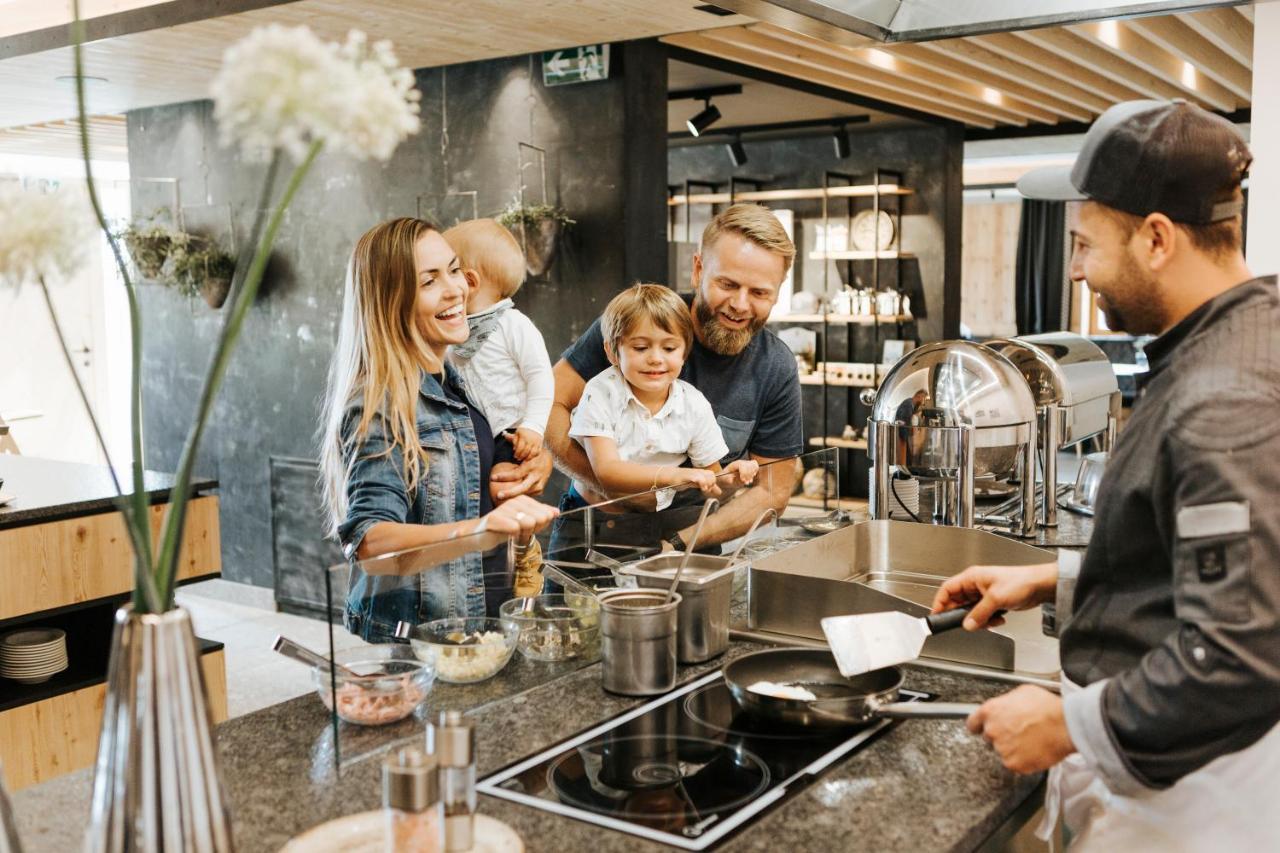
{"x": 33, "y": 655}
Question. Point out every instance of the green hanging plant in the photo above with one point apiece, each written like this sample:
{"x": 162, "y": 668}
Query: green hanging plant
{"x": 532, "y": 214}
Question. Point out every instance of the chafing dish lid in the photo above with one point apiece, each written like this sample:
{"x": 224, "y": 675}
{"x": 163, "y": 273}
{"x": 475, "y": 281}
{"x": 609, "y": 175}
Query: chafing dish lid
{"x": 954, "y": 383}
{"x": 1060, "y": 367}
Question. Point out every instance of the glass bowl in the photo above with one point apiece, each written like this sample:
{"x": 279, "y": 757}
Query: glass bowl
{"x": 464, "y": 651}
{"x": 389, "y": 684}
{"x": 557, "y": 627}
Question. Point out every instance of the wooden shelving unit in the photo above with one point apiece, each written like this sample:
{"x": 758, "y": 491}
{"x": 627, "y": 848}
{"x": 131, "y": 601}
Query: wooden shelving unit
{"x": 843, "y": 319}
{"x": 858, "y": 255}
{"x": 836, "y": 441}
{"x": 798, "y": 194}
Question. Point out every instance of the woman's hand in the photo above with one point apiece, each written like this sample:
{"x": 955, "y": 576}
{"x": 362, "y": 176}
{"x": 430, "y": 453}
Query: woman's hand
{"x": 992, "y": 588}
{"x": 520, "y": 517}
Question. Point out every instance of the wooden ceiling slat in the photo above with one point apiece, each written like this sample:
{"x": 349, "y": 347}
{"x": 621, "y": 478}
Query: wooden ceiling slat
{"x": 1229, "y": 32}
{"x": 961, "y": 86}
{"x": 1175, "y": 36}
{"x": 1132, "y": 47}
{"x": 857, "y": 67}
{"x": 1086, "y": 54}
{"x": 985, "y": 60}
{"x": 1050, "y": 62}
{"x": 947, "y": 63}
{"x": 699, "y": 43}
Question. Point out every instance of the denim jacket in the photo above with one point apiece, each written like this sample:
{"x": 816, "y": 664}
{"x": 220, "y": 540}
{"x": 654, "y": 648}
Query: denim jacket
{"x": 449, "y": 492}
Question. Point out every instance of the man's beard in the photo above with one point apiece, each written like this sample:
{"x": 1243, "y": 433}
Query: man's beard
{"x": 716, "y": 337}
{"x": 1134, "y": 306}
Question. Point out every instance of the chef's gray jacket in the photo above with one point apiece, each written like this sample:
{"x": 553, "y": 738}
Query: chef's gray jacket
{"x": 1176, "y": 625}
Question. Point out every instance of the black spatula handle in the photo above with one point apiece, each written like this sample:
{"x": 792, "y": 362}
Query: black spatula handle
{"x": 950, "y": 619}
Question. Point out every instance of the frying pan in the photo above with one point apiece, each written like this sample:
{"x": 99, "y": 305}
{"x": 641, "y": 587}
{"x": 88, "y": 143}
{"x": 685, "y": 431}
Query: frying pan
{"x": 840, "y": 701}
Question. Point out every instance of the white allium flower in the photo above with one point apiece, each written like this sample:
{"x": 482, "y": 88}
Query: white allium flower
{"x": 284, "y": 88}
{"x": 41, "y": 234}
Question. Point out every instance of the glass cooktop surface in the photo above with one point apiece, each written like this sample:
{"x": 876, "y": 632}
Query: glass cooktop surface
{"x": 686, "y": 769}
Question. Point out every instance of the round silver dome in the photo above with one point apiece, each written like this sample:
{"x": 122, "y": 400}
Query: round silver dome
{"x": 953, "y": 384}
{"x": 1061, "y": 368}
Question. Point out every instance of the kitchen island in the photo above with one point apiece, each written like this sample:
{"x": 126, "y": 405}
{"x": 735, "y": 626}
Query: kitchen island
{"x": 922, "y": 784}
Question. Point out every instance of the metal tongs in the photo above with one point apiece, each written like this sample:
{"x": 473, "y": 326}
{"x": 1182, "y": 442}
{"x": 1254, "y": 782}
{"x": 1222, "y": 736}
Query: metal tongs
{"x": 707, "y": 509}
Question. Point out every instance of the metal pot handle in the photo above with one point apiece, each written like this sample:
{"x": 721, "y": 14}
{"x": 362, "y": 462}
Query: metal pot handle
{"x": 934, "y": 710}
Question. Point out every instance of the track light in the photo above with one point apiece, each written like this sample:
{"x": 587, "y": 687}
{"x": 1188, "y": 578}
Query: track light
{"x": 737, "y": 154}
{"x": 840, "y": 136}
{"x": 699, "y": 123}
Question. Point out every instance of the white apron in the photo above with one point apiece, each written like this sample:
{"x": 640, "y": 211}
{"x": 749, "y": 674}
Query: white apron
{"x": 1232, "y": 803}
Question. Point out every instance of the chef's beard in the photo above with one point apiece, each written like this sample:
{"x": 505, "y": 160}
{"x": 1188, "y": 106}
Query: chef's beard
{"x": 1131, "y": 301}
{"x": 717, "y": 337}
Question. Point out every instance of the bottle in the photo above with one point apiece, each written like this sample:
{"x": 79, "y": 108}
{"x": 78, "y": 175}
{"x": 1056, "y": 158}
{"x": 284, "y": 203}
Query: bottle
{"x": 455, "y": 749}
{"x": 414, "y": 816}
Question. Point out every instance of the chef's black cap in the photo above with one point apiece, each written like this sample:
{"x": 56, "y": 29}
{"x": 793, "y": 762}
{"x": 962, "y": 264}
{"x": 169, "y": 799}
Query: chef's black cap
{"x": 1146, "y": 157}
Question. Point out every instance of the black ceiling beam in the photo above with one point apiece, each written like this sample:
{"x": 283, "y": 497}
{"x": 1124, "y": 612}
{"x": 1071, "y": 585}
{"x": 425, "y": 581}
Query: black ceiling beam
{"x": 728, "y": 66}
{"x": 704, "y": 93}
{"x": 720, "y": 133}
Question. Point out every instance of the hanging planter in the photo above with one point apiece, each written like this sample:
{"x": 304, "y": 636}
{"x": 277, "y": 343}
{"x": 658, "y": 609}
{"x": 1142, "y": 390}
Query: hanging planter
{"x": 538, "y": 228}
{"x": 150, "y": 245}
{"x": 206, "y": 270}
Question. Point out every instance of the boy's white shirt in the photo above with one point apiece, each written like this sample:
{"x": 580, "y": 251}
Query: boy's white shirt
{"x": 684, "y": 428}
{"x": 509, "y": 378}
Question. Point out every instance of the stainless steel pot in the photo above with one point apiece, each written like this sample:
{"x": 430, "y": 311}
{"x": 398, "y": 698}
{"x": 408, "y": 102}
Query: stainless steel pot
{"x": 705, "y": 589}
{"x": 638, "y": 641}
{"x": 839, "y": 701}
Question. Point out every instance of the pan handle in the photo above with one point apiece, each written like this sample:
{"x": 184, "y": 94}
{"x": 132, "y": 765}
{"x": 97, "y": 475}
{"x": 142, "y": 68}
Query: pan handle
{"x": 935, "y": 710}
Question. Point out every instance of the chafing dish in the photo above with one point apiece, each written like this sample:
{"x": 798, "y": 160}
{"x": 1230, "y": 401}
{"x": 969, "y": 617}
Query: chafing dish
{"x": 1076, "y": 396}
{"x": 948, "y": 412}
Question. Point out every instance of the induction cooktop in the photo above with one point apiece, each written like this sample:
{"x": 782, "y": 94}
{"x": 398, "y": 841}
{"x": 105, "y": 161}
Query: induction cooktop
{"x": 687, "y": 769}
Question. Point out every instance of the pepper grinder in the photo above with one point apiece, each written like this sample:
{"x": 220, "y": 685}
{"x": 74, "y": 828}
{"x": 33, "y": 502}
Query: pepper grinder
{"x": 414, "y": 817}
{"x": 455, "y": 749}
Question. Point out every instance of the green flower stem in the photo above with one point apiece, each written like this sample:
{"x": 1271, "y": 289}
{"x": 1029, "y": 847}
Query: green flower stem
{"x": 175, "y": 516}
{"x": 136, "y": 514}
{"x": 149, "y": 589}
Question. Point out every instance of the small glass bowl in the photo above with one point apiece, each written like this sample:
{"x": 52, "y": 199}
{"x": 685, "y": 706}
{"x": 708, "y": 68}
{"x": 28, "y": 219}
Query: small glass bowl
{"x": 390, "y": 683}
{"x": 558, "y": 627}
{"x": 441, "y": 643}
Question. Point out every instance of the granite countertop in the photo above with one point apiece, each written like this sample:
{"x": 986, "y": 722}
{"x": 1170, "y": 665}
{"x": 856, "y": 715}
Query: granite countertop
{"x": 924, "y": 784}
{"x": 49, "y": 490}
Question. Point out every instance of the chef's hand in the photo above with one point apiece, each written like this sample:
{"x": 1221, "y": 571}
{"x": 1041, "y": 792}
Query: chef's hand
{"x": 528, "y": 478}
{"x": 992, "y": 588}
{"x": 1025, "y": 727}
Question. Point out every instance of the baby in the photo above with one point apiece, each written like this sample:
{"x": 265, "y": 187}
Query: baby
{"x": 504, "y": 362}
{"x": 638, "y": 421}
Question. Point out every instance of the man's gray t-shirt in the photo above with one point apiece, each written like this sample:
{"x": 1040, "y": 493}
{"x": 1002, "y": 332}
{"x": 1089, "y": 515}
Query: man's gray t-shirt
{"x": 755, "y": 394}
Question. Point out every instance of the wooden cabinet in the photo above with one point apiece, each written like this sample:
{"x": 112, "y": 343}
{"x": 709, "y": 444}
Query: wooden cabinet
{"x": 73, "y": 571}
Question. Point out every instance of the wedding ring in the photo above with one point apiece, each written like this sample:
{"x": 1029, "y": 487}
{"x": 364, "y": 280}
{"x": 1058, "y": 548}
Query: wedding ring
{"x": 520, "y": 516}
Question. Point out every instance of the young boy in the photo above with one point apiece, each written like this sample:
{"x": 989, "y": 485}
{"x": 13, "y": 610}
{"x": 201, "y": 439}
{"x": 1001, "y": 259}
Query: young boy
{"x": 638, "y": 421}
{"x": 504, "y": 362}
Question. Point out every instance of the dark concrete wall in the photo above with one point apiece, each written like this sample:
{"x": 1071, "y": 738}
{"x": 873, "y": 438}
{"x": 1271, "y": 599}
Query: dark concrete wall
{"x": 930, "y": 159}
{"x": 605, "y": 165}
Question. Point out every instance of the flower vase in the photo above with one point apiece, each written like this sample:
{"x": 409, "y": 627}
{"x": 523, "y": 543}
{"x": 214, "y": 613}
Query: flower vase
{"x": 156, "y": 785}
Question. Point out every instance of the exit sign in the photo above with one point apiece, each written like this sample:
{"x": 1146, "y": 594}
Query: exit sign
{"x": 575, "y": 65}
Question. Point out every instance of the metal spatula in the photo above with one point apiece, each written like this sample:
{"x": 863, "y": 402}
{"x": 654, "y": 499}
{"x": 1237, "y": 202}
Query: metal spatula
{"x": 870, "y": 641}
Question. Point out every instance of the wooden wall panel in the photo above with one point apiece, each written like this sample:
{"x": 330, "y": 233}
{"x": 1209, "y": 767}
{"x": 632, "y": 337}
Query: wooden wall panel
{"x": 43, "y": 740}
{"x": 82, "y": 559}
{"x": 987, "y": 265}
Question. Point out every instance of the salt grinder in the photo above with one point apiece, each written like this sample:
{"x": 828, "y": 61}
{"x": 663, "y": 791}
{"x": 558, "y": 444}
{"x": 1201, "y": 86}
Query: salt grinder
{"x": 455, "y": 749}
{"x": 411, "y": 802}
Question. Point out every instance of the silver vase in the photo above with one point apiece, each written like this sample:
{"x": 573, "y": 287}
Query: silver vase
{"x": 156, "y": 785}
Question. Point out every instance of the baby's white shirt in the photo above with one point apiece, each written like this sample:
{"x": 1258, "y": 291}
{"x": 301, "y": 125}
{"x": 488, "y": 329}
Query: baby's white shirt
{"x": 509, "y": 378}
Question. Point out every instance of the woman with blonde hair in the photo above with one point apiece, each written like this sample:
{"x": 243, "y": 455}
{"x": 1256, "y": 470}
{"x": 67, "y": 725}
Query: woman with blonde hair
{"x": 405, "y": 456}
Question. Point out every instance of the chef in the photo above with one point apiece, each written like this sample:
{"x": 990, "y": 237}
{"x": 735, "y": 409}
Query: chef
{"x": 1167, "y": 733}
